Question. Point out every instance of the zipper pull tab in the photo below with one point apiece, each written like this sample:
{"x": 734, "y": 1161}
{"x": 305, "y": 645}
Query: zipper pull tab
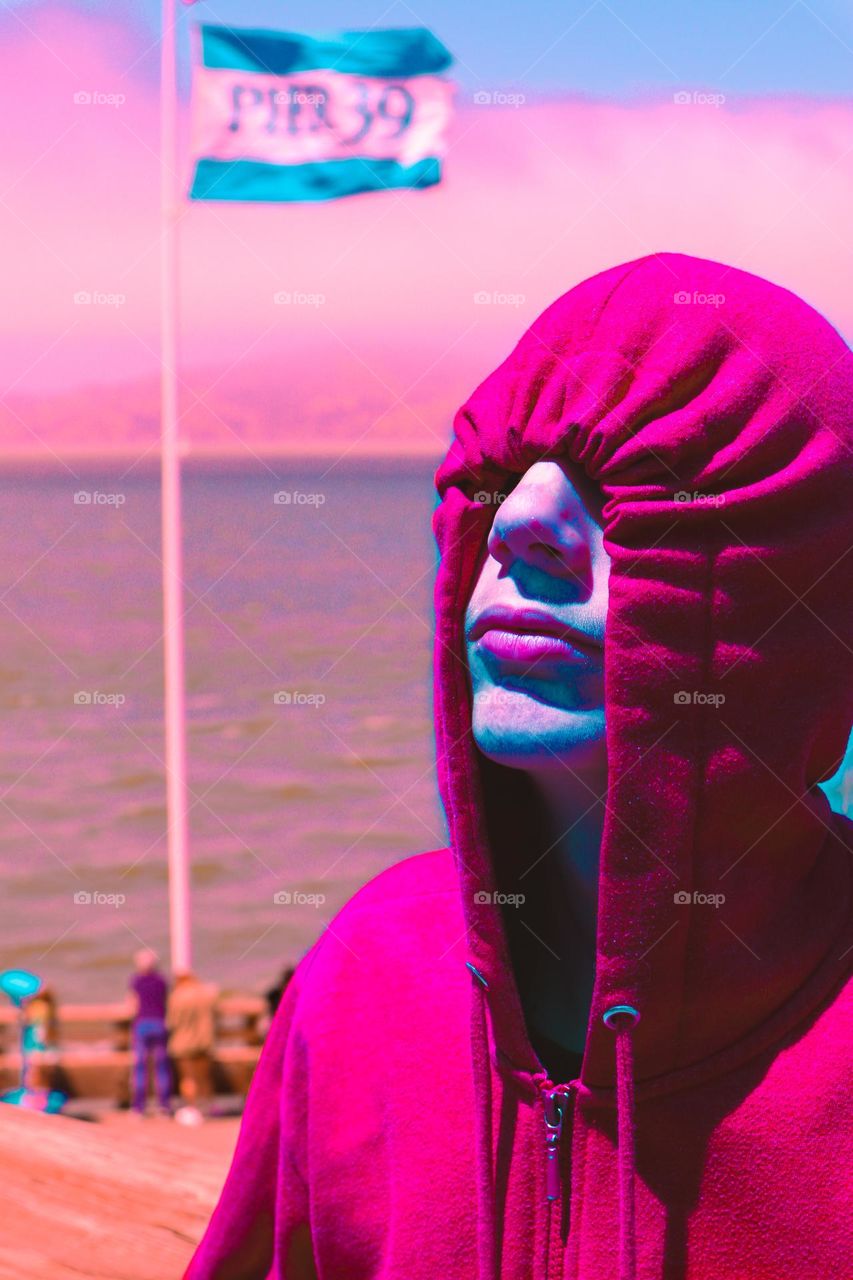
{"x": 556, "y": 1104}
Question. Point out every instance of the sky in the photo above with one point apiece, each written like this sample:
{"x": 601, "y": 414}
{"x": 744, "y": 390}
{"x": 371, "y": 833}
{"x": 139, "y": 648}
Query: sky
{"x": 595, "y": 163}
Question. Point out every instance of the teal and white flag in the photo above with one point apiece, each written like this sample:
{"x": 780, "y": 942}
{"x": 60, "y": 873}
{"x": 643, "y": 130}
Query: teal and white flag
{"x": 278, "y": 116}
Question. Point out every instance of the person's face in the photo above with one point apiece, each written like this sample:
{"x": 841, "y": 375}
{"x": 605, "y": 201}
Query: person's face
{"x": 534, "y": 626}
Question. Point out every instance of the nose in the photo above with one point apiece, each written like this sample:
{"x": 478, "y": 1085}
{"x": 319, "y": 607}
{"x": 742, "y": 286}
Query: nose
{"x": 542, "y": 523}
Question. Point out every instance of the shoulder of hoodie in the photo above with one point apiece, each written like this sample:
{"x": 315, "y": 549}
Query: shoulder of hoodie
{"x": 407, "y": 918}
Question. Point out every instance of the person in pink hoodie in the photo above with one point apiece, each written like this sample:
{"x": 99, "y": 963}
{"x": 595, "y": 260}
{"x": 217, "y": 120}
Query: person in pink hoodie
{"x": 605, "y": 1035}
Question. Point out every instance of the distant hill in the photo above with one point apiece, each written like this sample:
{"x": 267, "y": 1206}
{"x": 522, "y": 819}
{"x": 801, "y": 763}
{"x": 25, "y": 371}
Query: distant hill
{"x": 261, "y": 410}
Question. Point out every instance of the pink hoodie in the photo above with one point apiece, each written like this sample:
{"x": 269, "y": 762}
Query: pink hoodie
{"x": 400, "y": 1124}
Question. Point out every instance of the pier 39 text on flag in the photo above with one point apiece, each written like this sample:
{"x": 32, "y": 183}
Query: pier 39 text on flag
{"x": 279, "y": 116}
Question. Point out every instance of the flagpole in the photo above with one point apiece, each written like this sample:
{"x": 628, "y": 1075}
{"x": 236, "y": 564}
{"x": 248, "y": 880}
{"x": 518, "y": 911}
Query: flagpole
{"x": 170, "y": 498}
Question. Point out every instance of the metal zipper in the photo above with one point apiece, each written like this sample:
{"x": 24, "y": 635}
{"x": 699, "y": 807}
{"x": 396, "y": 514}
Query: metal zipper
{"x": 556, "y": 1099}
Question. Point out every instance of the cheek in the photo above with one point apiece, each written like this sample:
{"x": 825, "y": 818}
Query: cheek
{"x": 480, "y": 594}
{"x": 601, "y": 581}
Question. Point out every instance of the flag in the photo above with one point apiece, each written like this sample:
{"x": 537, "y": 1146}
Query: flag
{"x": 279, "y": 116}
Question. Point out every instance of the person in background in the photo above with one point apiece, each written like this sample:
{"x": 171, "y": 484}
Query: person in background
{"x": 40, "y": 1039}
{"x": 277, "y": 990}
{"x": 149, "y": 991}
{"x": 191, "y": 1025}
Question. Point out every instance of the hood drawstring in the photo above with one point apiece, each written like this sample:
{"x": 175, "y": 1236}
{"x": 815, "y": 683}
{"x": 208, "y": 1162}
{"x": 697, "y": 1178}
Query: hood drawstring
{"x": 621, "y": 1019}
{"x": 487, "y": 1262}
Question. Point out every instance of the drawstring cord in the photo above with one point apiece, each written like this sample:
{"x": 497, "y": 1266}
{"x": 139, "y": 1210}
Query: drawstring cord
{"x": 487, "y": 1263}
{"x": 621, "y": 1019}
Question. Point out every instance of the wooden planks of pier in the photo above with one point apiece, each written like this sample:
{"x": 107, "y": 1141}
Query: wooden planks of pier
{"x": 126, "y": 1200}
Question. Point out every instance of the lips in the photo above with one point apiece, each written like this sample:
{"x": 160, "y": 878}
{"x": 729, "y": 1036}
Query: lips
{"x": 528, "y": 636}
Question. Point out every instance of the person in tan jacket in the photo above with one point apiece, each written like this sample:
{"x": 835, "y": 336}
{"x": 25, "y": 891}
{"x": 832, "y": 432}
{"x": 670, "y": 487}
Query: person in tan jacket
{"x": 191, "y": 1024}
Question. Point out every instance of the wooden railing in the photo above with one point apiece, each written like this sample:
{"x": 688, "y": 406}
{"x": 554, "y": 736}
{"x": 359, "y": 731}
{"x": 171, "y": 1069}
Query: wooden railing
{"x": 93, "y": 1047}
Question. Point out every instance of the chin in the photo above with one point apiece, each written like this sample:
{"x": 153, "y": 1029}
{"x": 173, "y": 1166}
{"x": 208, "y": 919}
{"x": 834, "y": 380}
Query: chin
{"x": 520, "y": 730}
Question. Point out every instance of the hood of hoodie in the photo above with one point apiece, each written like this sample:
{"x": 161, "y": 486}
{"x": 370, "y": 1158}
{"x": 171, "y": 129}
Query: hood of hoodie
{"x": 713, "y": 410}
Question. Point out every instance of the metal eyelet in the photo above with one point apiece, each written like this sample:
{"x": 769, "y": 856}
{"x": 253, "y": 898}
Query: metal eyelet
{"x": 620, "y": 1011}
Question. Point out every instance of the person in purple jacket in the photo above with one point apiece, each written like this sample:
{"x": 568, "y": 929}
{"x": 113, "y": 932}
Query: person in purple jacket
{"x": 149, "y": 1036}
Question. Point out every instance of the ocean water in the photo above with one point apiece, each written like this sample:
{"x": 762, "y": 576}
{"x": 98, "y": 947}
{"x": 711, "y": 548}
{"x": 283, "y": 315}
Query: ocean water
{"x": 310, "y": 737}
{"x": 310, "y": 734}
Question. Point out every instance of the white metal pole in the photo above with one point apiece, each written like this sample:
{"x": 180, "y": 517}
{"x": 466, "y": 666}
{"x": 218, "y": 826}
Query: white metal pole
{"x": 170, "y": 498}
